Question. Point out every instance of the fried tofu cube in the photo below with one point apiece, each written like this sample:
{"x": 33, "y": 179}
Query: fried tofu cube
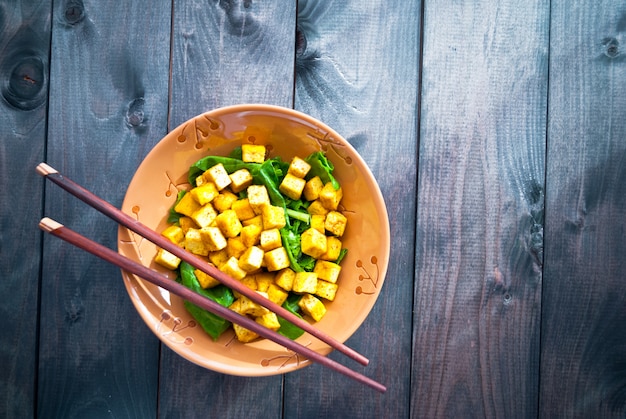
{"x": 298, "y": 167}
{"x": 273, "y": 217}
{"x": 205, "y": 215}
{"x": 305, "y": 282}
{"x": 205, "y": 280}
{"x": 231, "y": 268}
{"x": 235, "y": 247}
{"x": 330, "y": 197}
{"x": 327, "y": 271}
{"x": 316, "y": 208}
{"x": 333, "y": 249}
{"x": 292, "y": 186}
{"x": 284, "y": 279}
{"x": 205, "y": 193}
{"x": 218, "y": 175}
{"x": 264, "y": 280}
{"x": 187, "y": 205}
{"x": 194, "y": 242}
{"x": 276, "y": 294}
{"x": 224, "y": 201}
{"x": 243, "y": 209}
{"x": 269, "y": 321}
{"x": 257, "y": 220}
{"x": 270, "y": 239}
{"x": 312, "y": 188}
{"x": 251, "y": 259}
{"x": 167, "y": 259}
{"x": 186, "y": 223}
{"x": 326, "y": 290}
{"x": 219, "y": 257}
{"x": 258, "y": 197}
{"x": 250, "y": 235}
{"x": 240, "y": 180}
{"x": 317, "y": 222}
{"x": 250, "y": 307}
{"x": 236, "y": 306}
{"x": 252, "y": 153}
{"x": 213, "y": 238}
{"x": 244, "y": 335}
{"x": 335, "y": 223}
{"x": 229, "y": 223}
{"x": 313, "y": 243}
{"x": 312, "y": 306}
{"x": 174, "y": 234}
{"x": 276, "y": 259}
{"x": 249, "y": 282}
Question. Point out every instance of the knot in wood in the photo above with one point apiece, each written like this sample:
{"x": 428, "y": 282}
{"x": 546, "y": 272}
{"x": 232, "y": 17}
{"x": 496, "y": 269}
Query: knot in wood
{"x": 74, "y": 12}
{"x": 25, "y": 82}
{"x": 135, "y": 113}
{"x": 611, "y": 47}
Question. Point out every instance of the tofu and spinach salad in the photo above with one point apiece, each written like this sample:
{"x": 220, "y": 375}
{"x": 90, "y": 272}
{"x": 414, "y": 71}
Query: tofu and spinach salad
{"x": 276, "y": 226}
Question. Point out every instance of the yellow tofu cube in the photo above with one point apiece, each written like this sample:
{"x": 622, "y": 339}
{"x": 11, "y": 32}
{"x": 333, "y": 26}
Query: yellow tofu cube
{"x": 313, "y": 243}
{"x": 187, "y": 205}
{"x": 243, "y": 209}
{"x": 205, "y": 215}
{"x": 240, "y": 180}
{"x": 251, "y": 308}
{"x": 219, "y": 258}
{"x": 218, "y": 175}
{"x": 256, "y": 220}
{"x": 270, "y": 239}
{"x": 276, "y": 294}
{"x": 326, "y": 290}
{"x": 269, "y": 321}
{"x": 284, "y": 279}
{"x": 231, "y": 268}
{"x": 273, "y": 217}
{"x": 298, "y": 167}
{"x": 258, "y": 197}
{"x": 312, "y": 188}
{"x": 330, "y": 197}
{"x": 312, "y": 306}
{"x": 229, "y": 223}
{"x": 244, "y": 335}
{"x": 249, "y": 282}
{"x": 264, "y": 280}
{"x": 174, "y": 234}
{"x": 292, "y": 186}
{"x": 317, "y": 222}
{"x": 194, "y": 243}
{"x": 235, "y": 247}
{"x": 252, "y": 153}
{"x": 333, "y": 249}
{"x": 276, "y": 259}
{"x": 205, "y": 193}
{"x": 335, "y": 223}
{"x": 224, "y": 200}
{"x": 186, "y": 223}
{"x": 305, "y": 282}
{"x": 236, "y": 306}
{"x": 327, "y": 271}
{"x": 251, "y": 259}
{"x": 213, "y": 238}
{"x": 250, "y": 235}
{"x": 316, "y": 208}
{"x": 167, "y": 259}
{"x": 205, "y": 280}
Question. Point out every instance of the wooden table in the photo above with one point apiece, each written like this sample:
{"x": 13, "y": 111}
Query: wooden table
{"x": 497, "y": 133}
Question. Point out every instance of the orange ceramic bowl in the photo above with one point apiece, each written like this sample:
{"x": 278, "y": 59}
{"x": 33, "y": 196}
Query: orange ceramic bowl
{"x": 286, "y": 133}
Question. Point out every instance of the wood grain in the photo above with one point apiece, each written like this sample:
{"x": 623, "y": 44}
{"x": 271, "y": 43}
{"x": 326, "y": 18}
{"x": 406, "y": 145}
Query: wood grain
{"x": 108, "y": 107}
{"x": 480, "y": 209}
{"x": 24, "y": 50}
{"x": 225, "y": 53}
{"x": 363, "y": 81}
{"x": 583, "y": 356}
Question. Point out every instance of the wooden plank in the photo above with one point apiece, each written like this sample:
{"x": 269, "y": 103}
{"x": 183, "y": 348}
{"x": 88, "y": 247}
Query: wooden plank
{"x": 226, "y": 53}
{"x": 108, "y": 107}
{"x": 583, "y": 357}
{"x": 363, "y": 81}
{"x": 480, "y": 209}
{"x": 24, "y": 50}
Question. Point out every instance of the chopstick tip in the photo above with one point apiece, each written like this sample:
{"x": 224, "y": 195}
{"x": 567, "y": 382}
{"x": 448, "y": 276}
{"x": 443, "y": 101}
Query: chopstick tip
{"x": 44, "y": 169}
{"x": 48, "y": 224}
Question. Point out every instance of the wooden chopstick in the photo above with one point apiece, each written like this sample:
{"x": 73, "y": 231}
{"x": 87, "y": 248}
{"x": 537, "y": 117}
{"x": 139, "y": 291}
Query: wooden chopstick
{"x": 195, "y": 261}
{"x": 62, "y": 232}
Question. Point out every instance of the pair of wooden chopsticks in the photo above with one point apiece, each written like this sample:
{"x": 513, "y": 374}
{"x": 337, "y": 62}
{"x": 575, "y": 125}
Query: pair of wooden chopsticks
{"x": 129, "y": 265}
